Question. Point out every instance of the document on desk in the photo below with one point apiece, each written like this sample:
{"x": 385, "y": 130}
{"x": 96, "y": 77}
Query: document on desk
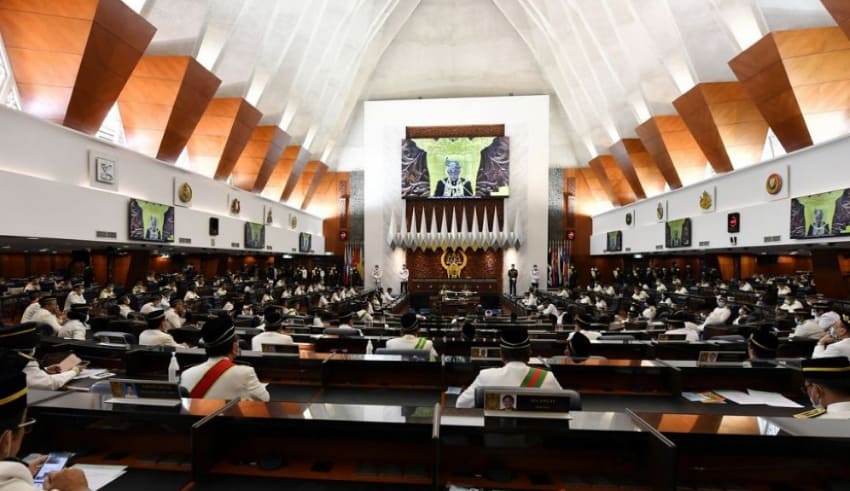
{"x": 99, "y": 476}
{"x": 704, "y": 397}
{"x": 773, "y": 399}
{"x": 738, "y": 397}
{"x": 90, "y": 372}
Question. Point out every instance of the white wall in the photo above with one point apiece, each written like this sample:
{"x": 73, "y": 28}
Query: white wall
{"x": 526, "y": 121}
{"x": 812, "y": 170}
{"x": 45, "y": 192}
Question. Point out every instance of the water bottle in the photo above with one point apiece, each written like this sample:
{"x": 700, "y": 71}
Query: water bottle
{"x": 173, "y": 369}
{"x": 369, "y": 347}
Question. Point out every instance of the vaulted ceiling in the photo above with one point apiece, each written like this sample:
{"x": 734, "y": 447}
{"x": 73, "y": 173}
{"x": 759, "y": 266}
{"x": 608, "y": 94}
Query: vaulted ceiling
{"x": 608, "y": 64}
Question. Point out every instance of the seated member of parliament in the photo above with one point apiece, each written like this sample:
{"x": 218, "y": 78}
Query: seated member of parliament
{"x": 219, "y": 377}
{"x": 515, "y": 348}
{"x": 409, "y": 338}
{"x": 155, "y": 334}
{"x": 14, "y": 474}
{"x": 23, "y": 339}
{"x": 836, "y": 342}
{"x": 828, "y": 387}
{"x": 273, "y": 325}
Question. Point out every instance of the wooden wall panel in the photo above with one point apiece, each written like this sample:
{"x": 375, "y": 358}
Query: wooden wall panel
{"x": 221, "y": 135}
{"x": 613, "y": 180}
{"x": 674, "y": 150}
{"x": 725, "y": 122}
{"x": 632, "y": 157}
{"x": 799, "y": 80}
{"x": 480, "y": 265}
{"x": 325, "y": 200}
{"x": 828, "y": 275}
{"x": 840, "y": 11}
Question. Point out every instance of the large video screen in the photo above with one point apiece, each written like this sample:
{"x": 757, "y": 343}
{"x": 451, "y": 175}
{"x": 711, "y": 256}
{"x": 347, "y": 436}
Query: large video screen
{"x": 462, "y": 167}
{"x": 255, "y": 235}
{"x": 151, "y": 222}
{"x": 305, "y": 242}
{"x": 678, "y": 233}
{"x": 821, "y": 215}
{"x": 615, "y": 241}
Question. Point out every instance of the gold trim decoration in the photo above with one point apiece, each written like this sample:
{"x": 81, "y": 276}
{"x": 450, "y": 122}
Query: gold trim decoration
{"x": 184, "y": 192}
{"x": 293, "y": 221}
{"x": 235, "y": 206}
{"x": 773, "y": 184}
{"x": 659, "y": 211}
{"x": 705, "y": 201}
{"x": 269, "y": 218}
{"x": 453, "y": 261}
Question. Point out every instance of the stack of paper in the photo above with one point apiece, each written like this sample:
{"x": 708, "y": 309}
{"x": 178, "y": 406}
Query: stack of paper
{"x": 704, "y": 397}
{"x": 90, "y": 372}
{"x": 99, "y": 476}
{"x": 752, "y": 396}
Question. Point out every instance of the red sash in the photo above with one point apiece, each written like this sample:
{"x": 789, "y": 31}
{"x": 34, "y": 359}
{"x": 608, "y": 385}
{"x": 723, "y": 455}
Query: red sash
{"x": 209, "y": 378}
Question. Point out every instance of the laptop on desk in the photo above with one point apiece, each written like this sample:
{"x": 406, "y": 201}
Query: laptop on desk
{"x": 137, "y": 392}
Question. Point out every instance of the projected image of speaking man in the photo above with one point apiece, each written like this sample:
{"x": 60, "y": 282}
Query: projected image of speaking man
{"x": 453, "y": 186}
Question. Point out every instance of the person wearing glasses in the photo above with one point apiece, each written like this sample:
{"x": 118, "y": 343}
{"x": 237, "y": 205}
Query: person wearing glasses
{"x": 15, "y": 475}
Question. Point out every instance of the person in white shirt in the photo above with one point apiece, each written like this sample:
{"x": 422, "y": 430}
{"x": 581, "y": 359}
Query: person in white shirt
{"x": 530, "y": 300}
{"x": 515, "y": 350}
{"x": 639, "y": 295}
{"x": 124, "y": 306}
{"x": 24, "y": 339}
{"x": 535, "y": 277}
{"x": 824, "y": 316}
{"x": 745, "y": 286}
{"x": 564, "y": 293}
{"x": 807, "y": 328}
{"x": 828, "y": 387}
{"x": 336, "y": 296}
{"x": 677, "y": 323}
{"x": 15, "y": 475}
{"x": 666, "y": 300}
{"x": 791, "y": 304}
{"x": 649, "y": 312}
{"x": 660, "y": 287}
{"x": 584, "y": 299}
{"x": 151, "y": 305}
{"x": 377, "y": 275}
{"x": 77, "y": 323}
{"x": 610, "y": 291}
{"x": 597, "y": 288}
{"x": 783, "y": 290}
{"x": 219, "y": 377}
{"x": 403, "y": 276}
{"x": 175, "y": 316}
{"x": 155, "y": 334}
{"x": 165, "y": 298}
{"x": 49, "y": 314}
{"x": 323, "y": 301}
{"x": 221, "y": 292}
{"x": 719, "y": 315}
{"x": 410, "y": 339}
{"x": 106, "y": 293}
{"x": 138, "y": 288}
{"x": 74, "y": 296}
{"x": 32, "y": 286}
{"x": 287, "y": 293}
{"x": 32, "y": 308}
{"x": 274, "y": 330}
{"x": 387, "y": 296}
{"x": 190, "y": 294}
{"x": 549, "y": 309}
{"x": 299, "y": 290}
{"x": 835, "y": 343}
{"x": 682, "y": 290}
{"x": 601, "y": 305}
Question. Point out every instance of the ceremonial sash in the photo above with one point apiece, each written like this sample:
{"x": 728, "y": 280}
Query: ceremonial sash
{"x": 420, "y": 343}
{"x": 534, "y": 378}
{"x": 210, "y": 378}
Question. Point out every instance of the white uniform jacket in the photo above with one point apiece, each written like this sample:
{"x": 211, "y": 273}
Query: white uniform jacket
{"x": 15, "y": 476}
{"x": 510, "y": 375}
{"x": 40, "y": 379}
{"x": 269, "y": 337}
{"x": 155, "y": 337}
{"x": 409, "y": 341}
{"x": 239, "y": 381}
{"x": 838, "y": 348}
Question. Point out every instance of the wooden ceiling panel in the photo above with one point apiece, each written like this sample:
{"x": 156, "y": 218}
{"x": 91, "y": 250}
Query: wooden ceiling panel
{"x": 714, "y": 113}
{"x": 196, "y": 91}
{"x": 840, "y": 11}
{"x": 305, "y": 181}
{"x": 325, "y": 200}
{"x": 808, "y": 83}
{"x": 296, "y": 169}
{"x": 315, "y": 182}
{"x": 245, "y": 121}
{"x": 75, "y": 44}
{"x": 651, "y": 138}
{"x": 613, "y": 180}
{"x": 278, "y": 139}
{"x": 638, "y": 168}
{"x": 73, "y": 9}
{"x": 221, "y": 134}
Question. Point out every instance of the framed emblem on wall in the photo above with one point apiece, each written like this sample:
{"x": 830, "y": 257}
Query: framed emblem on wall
{"x": 103, "y": 170}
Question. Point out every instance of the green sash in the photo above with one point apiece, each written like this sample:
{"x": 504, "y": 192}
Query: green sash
{"x": 534, "y": 378}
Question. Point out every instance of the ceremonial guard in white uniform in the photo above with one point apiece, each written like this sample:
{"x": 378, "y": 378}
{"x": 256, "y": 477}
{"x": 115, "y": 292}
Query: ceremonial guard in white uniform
{"x": 404, "y": 275}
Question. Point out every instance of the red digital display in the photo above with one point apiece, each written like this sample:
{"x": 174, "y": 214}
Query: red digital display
{"x": 733, "y": 223}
